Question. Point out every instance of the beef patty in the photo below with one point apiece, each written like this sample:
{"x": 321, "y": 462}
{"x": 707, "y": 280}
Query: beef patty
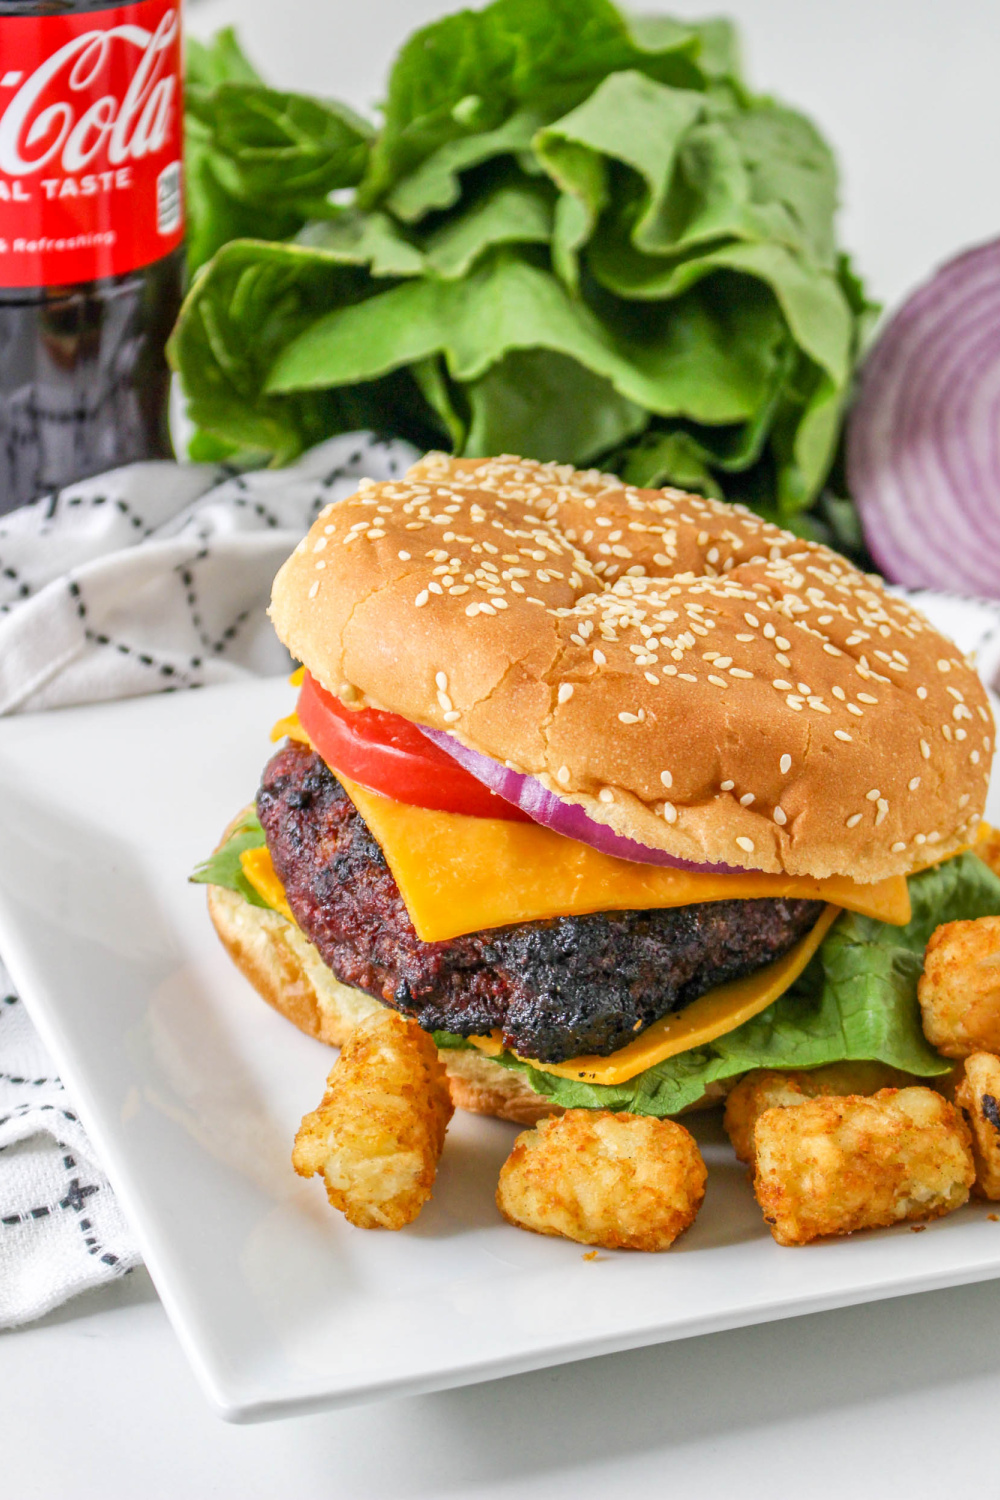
{"x": 555, "y": 989}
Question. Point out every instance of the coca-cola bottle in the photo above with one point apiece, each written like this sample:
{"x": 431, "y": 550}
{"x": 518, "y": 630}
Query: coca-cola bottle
{"x": 91, "y": 230}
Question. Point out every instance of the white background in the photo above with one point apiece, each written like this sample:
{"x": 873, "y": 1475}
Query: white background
{"x": 896, "y": 1399}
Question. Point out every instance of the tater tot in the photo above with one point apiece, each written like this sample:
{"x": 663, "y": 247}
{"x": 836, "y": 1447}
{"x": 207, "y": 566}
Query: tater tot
{"x": 959, "y": 990}
{"x": 834, "y": 1165}
{"x": 766, "y": 1089}
{"x": 978, "y": 1096}
{"x": 626, "y": 1182}
{"x": 379, "y": 1130}
{"x": 988, "y": 847}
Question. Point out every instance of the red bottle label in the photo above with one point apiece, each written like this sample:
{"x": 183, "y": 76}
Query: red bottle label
{"x": 90, "y": 143}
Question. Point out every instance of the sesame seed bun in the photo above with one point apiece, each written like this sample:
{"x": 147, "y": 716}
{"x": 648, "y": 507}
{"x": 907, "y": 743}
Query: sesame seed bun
{"x": 693, "y": 677}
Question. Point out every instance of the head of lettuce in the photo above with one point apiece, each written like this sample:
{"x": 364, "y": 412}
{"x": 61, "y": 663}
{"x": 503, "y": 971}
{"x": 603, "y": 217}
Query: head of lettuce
{"x": 572, "y": 234}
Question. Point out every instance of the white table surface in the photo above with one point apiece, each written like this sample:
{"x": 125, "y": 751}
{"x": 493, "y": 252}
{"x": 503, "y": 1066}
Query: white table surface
{"x": 897, "y": 1398}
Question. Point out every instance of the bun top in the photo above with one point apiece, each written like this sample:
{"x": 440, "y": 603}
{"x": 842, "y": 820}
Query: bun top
{"x": 694, "y": 677}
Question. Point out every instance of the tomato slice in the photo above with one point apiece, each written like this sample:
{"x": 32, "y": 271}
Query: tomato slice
{"x": 388, "y": 754}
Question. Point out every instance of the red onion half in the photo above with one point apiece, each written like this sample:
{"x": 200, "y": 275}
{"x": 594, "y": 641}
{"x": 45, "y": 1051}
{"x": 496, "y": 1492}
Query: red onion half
{"x": 923, "y": 438}
{"x": 562, "y": 817}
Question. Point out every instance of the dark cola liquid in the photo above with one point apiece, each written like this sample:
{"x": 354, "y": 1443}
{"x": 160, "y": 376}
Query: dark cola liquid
{"x": 84, "y": 384}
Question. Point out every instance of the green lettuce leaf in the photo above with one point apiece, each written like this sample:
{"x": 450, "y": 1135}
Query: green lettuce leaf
{"x": 857, "y": 1001}
{"x": 224, "y": 868}
{"x": 469, "y": 72}
{"x": 222, "y": 60}
{"x": 259, "y": 162}
{"x": 692, "y": 361}
{"x": 248, "y": 304}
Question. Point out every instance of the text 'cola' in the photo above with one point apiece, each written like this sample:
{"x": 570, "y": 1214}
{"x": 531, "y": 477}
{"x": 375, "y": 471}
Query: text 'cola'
{"x": 91, "y": 230}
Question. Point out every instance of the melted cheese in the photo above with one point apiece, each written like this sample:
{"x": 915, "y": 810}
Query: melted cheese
{"x": 712, "y": 1015}
{"x": 261, "y": 874}
{"x": 458, "y": 874}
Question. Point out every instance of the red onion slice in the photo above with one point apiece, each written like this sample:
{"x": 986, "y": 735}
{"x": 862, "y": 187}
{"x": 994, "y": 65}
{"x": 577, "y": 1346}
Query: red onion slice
{"x": 923, "y": 438}
{"x": 562, "y": 817}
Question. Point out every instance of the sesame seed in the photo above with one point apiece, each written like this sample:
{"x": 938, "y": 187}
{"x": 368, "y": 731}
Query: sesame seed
{"x": 782, "y": 659}
{"x": 403, "y": 556}
{"x": 854, "y": 820}
{"x": 782, "y": 685}
{"x": 666, "y": 778}
{"x": 627, "y": 718}
{"x": 745, "y": 844}
{"x": 842, "y": 734}
{"x": 925, "y": 750}
{"x": 445, "y": 702}
{"x": 944, "y": 666}
{"x": 451, "y": 716}
{"x": 747, "y": 799}
{"x": 913, "y": 783}
{"x": 974, "y": 757}
{"x": 752, "y": 620}
{"x": 782, "y": 644}
{"x": 670, "y": 812}
{"x": 600, "y": 659}
{"x": 441, "y": 679}
{"x": 562, "y": 775}
{"x": 780, "y": 816}
{"x": 314, "y": 589}
{"x": 687, "y": 677}
{"x": 605, "y": 794}
{"x": 921, "y": 692}
{"x": 739, "y": 672}
{"x": 320, "y": 566}
{"x": 726, "y": 786}
{"x": 921, "y": 838}
{"x": 873, "y": 795}
{"x": 717, "y": 681}
{"x": 898, "y": 847}
{"x": 565, "y": 692}
{"x": 421, "y": 599}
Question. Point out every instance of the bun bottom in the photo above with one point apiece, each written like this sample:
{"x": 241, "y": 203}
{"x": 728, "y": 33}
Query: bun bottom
{"x": 287, "y": 971}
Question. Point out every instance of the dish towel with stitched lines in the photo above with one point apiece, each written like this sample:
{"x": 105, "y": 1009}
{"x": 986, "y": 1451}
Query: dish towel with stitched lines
{"x": 152, "y": 577}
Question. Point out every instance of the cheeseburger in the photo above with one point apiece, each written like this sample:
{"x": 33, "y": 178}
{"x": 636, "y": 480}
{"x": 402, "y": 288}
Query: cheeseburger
{"x": 596, "y": 783}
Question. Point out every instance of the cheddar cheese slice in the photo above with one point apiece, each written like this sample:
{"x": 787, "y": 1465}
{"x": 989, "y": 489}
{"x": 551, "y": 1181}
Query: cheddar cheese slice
{"x": 260, "y": 872}
{"x": 712, "y": 1015}
{"x": 458, "y": 874}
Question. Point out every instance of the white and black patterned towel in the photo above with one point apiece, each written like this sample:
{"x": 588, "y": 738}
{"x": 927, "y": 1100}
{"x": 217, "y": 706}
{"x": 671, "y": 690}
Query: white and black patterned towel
{"x": 153, "y": 576}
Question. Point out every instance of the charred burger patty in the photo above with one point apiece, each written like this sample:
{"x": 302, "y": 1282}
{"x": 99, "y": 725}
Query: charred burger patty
{"x": 555, "y": 989}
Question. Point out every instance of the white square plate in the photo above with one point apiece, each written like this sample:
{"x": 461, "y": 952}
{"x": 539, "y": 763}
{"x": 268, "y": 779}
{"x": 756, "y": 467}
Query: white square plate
{"x": 192, "y": 1090}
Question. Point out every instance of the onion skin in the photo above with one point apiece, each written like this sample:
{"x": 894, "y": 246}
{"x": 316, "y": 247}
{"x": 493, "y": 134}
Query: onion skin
{"x": 544, "y": 807}
{"x": 923, "y": 438}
